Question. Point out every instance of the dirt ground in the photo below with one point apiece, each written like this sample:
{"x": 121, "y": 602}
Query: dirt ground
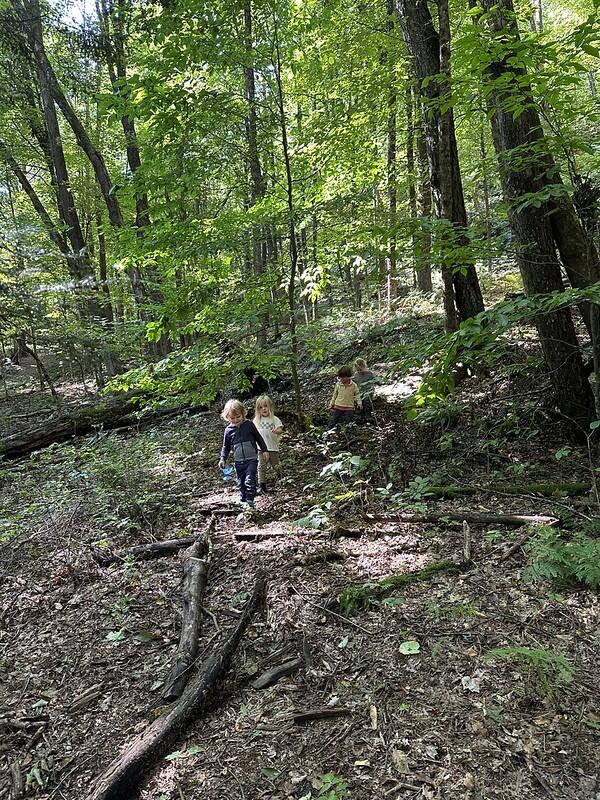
{"x": 424, "y": 708}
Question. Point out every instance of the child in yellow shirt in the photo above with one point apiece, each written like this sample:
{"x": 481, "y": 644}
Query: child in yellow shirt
{"x": 345, "y": 398}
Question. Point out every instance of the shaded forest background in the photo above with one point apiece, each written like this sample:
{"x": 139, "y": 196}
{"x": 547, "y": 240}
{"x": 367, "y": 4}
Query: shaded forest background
{"x": 191, "y": 189}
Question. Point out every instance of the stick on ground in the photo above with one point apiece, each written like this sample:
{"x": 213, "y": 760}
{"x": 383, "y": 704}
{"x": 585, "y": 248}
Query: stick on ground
{"x": 122, "y": 777}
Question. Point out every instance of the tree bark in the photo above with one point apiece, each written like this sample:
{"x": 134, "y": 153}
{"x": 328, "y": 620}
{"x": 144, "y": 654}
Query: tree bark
{"x": 531, "y": 224}
{"x": 430, "y": 52}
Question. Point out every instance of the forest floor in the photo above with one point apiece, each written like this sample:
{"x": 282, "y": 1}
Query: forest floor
{"x": 426, "y": 709}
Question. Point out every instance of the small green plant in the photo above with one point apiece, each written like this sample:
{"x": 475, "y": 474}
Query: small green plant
{"x": 544, "y": 671}
{"x": 332, "y": 788}
{"x": 566, "y": 562}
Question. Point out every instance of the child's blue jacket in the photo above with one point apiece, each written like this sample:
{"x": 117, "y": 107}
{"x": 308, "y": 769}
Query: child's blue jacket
{"x": 242, "y": 440}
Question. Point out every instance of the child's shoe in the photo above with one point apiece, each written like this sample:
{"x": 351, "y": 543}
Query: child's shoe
{"x": 263, "y": 488}
{"x": 250, "y": 504}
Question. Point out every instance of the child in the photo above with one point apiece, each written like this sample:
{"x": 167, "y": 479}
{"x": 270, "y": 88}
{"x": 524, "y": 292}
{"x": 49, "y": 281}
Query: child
{"x": 365, "y": 380}
{"x": 270, "y": 427}
{"x": 345, "y": 398}
{"x": 243, "y": 439}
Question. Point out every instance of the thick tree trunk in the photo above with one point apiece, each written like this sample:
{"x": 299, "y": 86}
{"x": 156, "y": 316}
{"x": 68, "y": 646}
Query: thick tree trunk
{"x": 531, "y": 225}
{"x": 430, "y": 52}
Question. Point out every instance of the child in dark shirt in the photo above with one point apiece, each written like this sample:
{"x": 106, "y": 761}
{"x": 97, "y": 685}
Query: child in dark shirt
{"x": 243, "y": 439}
{"x": 365, "y": 379}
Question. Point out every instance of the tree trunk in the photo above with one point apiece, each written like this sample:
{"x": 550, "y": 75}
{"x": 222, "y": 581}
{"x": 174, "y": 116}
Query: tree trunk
{"x": 391, "y": 173}
{"x": 531, "y": 225}
{"x": 430, "y": 52}
{"x": 423, "y": 252}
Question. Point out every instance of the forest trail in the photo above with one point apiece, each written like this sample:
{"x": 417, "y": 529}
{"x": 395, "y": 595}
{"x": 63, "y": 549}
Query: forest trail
{"x": 417, "y": 707}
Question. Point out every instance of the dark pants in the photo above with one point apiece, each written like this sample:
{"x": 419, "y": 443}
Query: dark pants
{"x": 246, "y": 479}
{"x": 338, "y": 415}
{"x": 367, "y": 409}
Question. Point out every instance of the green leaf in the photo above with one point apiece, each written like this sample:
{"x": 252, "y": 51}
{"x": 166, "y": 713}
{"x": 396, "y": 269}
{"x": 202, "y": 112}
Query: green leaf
{"x": 410, "y": 647}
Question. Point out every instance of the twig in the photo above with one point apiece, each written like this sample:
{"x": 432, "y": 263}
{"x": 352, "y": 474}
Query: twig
{"x": 333, "y": 613}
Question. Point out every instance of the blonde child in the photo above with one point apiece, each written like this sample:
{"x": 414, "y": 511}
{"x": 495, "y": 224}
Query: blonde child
{"x": 243, "y": 439}
{"x": 345, "y": 398}
{"x": 271, "y": 428}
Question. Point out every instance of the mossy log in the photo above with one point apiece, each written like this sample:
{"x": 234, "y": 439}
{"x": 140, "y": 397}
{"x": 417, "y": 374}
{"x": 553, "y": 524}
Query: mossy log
{"x": 121, "y": 779}
{"x": 542, "y": 489}
{"x": 359, "y": 596}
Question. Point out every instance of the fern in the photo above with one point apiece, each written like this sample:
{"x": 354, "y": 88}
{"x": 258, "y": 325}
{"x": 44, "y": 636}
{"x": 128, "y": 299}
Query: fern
{"x": 574, "y": 561}
{"x": 544, "y": 671}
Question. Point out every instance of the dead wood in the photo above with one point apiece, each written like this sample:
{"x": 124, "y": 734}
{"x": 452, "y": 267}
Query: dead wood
{"x": 467, "y": 544}
{"x": 300, "y": 717}
{"x": 122, "y": 777}
{"x": 543, "y": 489}
{"x": 272, "y": 675}
{"x": 143, "y": 552}
{"x": 17, "y": 780}
{"x": 516, "y": 546}
{"x": 196, "y": 566}
{"x": 109, "y": 413}
{"x": 472, "y": 517}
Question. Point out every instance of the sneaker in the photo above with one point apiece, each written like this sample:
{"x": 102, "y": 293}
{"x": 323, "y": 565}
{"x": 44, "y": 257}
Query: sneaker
{"x": 263, "y": 488}
{"x": 249, "y": 504}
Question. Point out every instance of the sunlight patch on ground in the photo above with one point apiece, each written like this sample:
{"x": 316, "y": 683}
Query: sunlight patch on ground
{"x": 400, "y": 389}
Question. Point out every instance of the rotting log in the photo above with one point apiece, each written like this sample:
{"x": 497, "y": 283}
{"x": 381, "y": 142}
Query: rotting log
{"x": 300, "y": 717}
{"x": 142, "y": 552}
{"x": 121, "y": 779}
{"x": 472, "y": 517}
{"x": 109, "y": 413}
{"x": 272, "y": 675}
{"x": 543, "y": 489}
{"x": 196, "y": 567}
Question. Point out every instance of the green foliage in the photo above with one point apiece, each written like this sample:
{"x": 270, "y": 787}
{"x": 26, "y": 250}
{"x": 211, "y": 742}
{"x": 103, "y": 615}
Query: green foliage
{"x": 544, "y": 671}
{"x": 476, "y": 341}
{"x": 571, "y": 561}
{"x": 330, "y": 787}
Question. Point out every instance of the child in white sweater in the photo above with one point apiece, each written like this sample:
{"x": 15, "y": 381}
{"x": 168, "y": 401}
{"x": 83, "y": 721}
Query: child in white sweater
{"x": 270, "y": 428}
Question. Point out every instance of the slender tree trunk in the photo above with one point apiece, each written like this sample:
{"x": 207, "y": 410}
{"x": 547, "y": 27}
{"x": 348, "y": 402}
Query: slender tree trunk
{"x": 411, "y": 172}
{"x": 423, "y": 253}
{"x": 291, "y": 293}
{"x": 391, "y": 171}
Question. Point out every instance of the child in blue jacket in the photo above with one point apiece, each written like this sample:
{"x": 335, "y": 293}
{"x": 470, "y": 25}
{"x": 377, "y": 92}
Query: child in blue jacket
{"x": 242, "y": 438}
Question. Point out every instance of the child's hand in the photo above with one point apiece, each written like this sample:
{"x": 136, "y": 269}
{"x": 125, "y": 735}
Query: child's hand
{"x": 221, "y": 464}
{"x": 278, "y": 431}
{"x": 265, "y": 456}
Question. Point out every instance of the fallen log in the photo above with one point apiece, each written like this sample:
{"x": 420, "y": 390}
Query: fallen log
{"x": 121, "y": 778}
{"x": 109, "y": 413}
{"x": 300, "y": 717}
{"x": 142, "y": 552}
{"x": 196, "y": 566}
{"x": 272, "y": 675}
{"x": 543, "y": 489}
{"x": 472, "y": 517}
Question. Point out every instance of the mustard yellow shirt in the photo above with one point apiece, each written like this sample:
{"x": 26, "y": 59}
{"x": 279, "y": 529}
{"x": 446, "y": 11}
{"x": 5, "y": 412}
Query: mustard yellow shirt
{"x": 345, "y": 396}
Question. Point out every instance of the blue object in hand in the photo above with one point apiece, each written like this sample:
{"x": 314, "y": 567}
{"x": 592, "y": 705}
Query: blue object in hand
{"x": 227, "y": 473}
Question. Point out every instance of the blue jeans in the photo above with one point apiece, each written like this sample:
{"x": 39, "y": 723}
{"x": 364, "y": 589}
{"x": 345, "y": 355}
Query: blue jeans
{"x": 246, "y": 478}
